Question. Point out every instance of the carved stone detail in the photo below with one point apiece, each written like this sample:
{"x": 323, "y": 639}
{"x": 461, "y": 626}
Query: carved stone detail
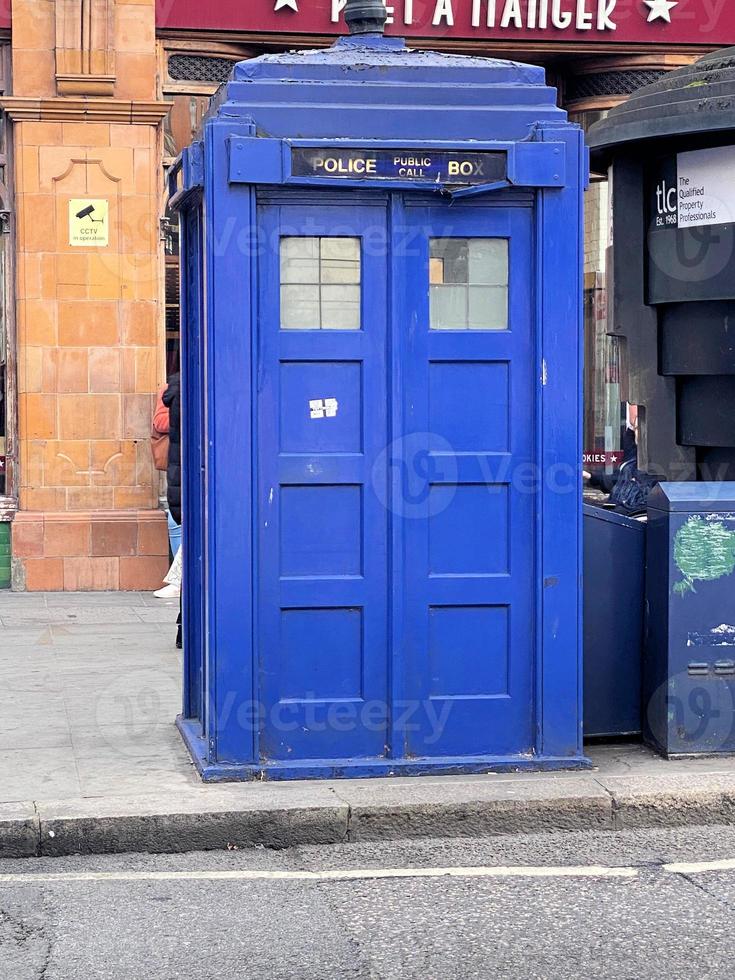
{"x": 121, "y": 111}
{"x": 85, "y": 47}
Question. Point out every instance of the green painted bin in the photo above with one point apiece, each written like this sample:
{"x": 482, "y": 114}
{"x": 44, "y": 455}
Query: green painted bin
{"x": 4, "y": 555}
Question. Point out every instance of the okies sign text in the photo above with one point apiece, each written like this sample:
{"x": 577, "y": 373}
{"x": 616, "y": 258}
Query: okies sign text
{"x": 710, "y": 22}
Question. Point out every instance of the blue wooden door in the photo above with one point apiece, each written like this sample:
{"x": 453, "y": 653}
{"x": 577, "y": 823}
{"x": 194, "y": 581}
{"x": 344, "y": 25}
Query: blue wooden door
{"x": 397, "y": 493}
{"x": 468, "y": 484}
{"x": 322, "y": 429}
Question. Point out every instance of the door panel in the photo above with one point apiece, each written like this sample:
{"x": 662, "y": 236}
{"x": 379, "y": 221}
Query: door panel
{"x": 446, "y": 554}
{"x": 468, "y": 349}
{"x": 323, "y": 532}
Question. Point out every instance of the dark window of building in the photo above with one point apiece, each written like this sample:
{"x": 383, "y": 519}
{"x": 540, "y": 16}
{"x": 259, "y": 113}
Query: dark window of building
{"x": 606, "y": 412}
{"x": 199, "y": 68}
{"x": 173, "y": 293}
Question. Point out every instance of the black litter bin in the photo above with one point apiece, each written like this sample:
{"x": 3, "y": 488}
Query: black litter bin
{"x": 614, "y": 570}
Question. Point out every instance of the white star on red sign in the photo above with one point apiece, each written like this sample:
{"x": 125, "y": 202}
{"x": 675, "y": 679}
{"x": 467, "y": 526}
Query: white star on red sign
{"x": 660, "y": 8}
{"x": 290, "y": 4}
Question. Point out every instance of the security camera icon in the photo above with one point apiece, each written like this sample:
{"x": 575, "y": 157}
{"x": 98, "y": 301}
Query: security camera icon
{"x": 87, "y": 213}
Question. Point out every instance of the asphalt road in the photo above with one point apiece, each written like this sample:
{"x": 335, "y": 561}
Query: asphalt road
{"x": 552, "y": 906}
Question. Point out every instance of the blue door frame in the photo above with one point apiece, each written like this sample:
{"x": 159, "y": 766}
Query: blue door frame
{"x": 225, "y": 740}
{"x": 193, "y": 369}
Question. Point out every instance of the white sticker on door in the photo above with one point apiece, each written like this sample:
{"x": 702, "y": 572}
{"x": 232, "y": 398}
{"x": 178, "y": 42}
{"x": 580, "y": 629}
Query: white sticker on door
{"x": 324, "y": 408}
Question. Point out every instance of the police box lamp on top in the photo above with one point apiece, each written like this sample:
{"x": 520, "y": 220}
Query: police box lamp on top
{"x": 366, "y": 16}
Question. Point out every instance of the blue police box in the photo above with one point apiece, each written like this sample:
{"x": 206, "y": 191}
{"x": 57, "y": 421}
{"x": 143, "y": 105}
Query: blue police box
{"x": 381, "y": 366}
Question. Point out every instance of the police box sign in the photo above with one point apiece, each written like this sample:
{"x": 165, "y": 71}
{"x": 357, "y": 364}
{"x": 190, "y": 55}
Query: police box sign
{"x": 413, "y": 166}
{"x": 691, "y": 238}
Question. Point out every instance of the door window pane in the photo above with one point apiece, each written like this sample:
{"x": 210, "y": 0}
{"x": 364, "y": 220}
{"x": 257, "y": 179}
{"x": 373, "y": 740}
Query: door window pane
{"x": 469, "y": 283}
{"x": 488, "y": 308}
{"x": 448, "y": 308}
{"x": 320, "y": 283}
{"x": 300, "y": 307}
{"x": 300, "y": 260}
{"x": 488, "y": 261}
{"x": 340, "y": 307}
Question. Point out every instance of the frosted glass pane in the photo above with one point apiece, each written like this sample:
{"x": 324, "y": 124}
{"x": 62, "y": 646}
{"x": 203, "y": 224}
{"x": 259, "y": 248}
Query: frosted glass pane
{"x": 299, "y": 260}
{"x": 320, "y": 283}
{"x": 345, "y": 249}
{"x": 488, "y": 261}
{"x": 448, "y": 307}
{"x": 299, "y": 248}
{"x": 299, "y": 307}
{"x": 299, "y": 270}
{"x": 488, "y": 308}
{"x": 341, "y": 308}
{"x": 335, "y": 271}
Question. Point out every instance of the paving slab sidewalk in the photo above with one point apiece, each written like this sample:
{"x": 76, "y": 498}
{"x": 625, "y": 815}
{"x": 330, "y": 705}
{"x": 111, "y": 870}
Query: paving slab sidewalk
{"x": 90, "y": 760}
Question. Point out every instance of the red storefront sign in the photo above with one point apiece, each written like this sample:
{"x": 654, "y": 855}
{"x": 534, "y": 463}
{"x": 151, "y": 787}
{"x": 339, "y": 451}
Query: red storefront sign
{"x": 706, "y": 22}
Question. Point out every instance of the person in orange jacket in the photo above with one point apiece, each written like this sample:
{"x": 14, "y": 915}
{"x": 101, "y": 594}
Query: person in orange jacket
{"x": 162, "y": 426}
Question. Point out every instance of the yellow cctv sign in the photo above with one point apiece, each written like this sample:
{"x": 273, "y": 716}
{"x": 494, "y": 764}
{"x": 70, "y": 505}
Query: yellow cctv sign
{"x": 89, "y": 222}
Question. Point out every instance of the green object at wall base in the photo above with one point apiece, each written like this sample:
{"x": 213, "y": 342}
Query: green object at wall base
{"x": 4, "y": 556}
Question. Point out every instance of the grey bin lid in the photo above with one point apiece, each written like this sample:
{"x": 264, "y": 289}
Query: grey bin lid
{"x": 694, "y": 498}
{"x": 694, "y": 100}
{"x": 595, "y": 512}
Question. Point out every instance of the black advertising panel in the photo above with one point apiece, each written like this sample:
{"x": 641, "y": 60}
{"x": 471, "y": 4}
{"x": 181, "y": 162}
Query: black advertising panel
{"x": 691, "y": 233}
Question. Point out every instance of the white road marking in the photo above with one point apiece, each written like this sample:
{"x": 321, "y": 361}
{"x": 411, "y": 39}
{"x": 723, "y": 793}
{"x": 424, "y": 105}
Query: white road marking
{"x": 362, "y": 874}
{"x": 696, "y": 868}
{"x": 338, "y": 874}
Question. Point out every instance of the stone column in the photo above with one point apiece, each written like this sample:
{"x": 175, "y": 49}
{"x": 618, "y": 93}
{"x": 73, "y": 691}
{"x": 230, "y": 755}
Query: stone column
{"x": 87, "y": 127}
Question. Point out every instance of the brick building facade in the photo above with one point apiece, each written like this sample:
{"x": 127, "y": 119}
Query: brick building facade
{"x": 86, "y": 123}
{"x": 101, "y": 96}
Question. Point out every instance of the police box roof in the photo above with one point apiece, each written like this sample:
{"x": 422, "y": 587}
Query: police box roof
{"x": 369, "y": 86}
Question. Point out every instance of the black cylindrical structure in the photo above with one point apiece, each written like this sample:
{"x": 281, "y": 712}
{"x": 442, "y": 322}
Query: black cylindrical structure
{"x": 670, "y": 150}
{"x": 365, "y": 16}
